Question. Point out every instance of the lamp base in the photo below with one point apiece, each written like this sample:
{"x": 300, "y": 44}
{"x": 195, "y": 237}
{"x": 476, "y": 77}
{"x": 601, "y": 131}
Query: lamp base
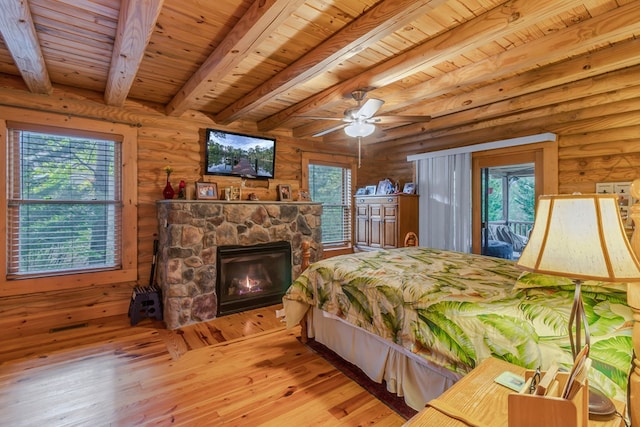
{"x": 601, "y": 408}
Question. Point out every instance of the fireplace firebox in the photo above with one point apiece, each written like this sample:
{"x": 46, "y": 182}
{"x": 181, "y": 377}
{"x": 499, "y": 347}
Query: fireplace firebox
{"x": 252, "y": 276}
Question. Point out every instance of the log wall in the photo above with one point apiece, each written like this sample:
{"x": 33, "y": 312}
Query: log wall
{"x": 598, "y": 128}
{"x": 162, "y": 141}
{"x": 599, "y": 141}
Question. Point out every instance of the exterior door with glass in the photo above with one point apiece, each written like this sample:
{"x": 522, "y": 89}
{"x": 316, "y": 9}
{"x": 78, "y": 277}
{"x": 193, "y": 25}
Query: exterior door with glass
{"x": 506, "y": 185}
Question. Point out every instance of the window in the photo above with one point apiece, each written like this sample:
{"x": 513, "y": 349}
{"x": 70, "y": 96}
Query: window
{"x": 64, "y": 204}
{"x": 330, "y": 182}
{"x": 69, "y": 205}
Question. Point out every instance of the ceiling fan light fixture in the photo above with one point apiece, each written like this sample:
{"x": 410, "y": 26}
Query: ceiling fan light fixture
{"x": 361, "y": 129}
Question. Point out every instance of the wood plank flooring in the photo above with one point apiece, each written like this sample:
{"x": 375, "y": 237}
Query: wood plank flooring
{"x": 244, "y": 369}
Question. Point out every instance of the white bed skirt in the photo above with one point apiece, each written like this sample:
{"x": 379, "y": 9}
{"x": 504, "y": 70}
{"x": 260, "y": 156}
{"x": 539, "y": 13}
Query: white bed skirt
{"x": 405, "y": 374}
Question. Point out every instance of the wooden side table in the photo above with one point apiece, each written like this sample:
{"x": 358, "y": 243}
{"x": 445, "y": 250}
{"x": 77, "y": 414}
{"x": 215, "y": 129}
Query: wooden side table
{"x": 483, "y": 400}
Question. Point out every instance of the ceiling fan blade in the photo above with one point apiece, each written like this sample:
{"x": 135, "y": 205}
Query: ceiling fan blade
{"x": 401, "y": 119}
{"x": 369, "y": 108}
{"x": 333, "y": 129}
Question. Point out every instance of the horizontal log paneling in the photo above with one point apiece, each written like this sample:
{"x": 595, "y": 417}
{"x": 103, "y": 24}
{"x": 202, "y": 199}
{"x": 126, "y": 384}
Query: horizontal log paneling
{"x": 576, "y": 187}
{"x": 38, "y": 313}
{"x": 543, "y": 103}
{"x": 606, "y": 134}
{"x": 592, "y": 113}
{"x": 602, "y": 148}
{"x": 385, "y": 165}
{"x": 574, "y": 74}
{"x": 520, "y": 93}
{"x": 608, "y": 162}
{"x": 600, "y": 175}
{"x": 598, "y": 135}
{"x": 162, "y": 141}
{"x": 598, "y": 142}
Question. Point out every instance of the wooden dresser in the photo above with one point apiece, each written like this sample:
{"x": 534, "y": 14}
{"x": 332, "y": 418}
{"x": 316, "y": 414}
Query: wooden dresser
{"x": 383, "y": 221}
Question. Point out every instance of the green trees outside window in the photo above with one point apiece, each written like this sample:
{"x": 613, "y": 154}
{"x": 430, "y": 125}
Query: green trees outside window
{"x": 331, "y": 185}
{"x": 64, "y": 203}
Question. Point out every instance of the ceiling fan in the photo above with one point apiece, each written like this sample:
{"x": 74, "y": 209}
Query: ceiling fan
{"x": 359, "y": 121}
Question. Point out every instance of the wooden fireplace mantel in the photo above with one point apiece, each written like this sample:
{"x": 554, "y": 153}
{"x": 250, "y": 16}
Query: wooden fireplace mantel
{"x": 240, "y": 202}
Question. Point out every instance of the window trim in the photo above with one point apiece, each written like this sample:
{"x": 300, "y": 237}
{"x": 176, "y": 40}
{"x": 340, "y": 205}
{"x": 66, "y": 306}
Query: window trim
{"x": 50, "y": 122}
{"x": 338, "y": 161}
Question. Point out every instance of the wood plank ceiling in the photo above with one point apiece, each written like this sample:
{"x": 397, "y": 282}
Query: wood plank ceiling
{"x": 266, "y": 64}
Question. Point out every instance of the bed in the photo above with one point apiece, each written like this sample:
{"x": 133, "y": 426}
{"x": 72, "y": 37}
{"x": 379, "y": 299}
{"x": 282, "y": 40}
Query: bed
{"x": 419, "y": 318}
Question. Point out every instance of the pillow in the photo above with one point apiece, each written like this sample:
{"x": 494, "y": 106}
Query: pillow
{"x": 504, "y": 234}
{"x": 529, "y": 280}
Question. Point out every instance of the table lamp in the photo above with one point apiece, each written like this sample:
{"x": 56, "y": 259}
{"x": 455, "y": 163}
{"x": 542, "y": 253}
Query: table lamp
{"x": 581, "y": 237}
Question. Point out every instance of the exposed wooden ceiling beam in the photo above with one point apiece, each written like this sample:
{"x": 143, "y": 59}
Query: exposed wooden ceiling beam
{"x": 612, "y": 87}
{"x": 376, "y": 23}
{"x": 569, "y": 42}
{"x": 262, "y": 18}
{"x": 496, "y": 23}
{"x": 545, "y": 50}
{"x": 19, "y": 34}
{"x": 617, "y": 111}
{"x": 591, "y": 73}
{"x": 135, "y": 27}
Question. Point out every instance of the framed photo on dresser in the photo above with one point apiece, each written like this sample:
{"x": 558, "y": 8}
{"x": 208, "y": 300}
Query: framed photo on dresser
{"x": 384, "y": 187}
{"x": 409, "y": 188}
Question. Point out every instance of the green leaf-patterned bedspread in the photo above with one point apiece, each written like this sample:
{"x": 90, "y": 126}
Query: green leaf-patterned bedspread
{"x": 456, "y": 309}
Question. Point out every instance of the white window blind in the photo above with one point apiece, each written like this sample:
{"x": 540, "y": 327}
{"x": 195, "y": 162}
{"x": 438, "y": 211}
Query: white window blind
{"x": 331, "y": 185}
{"x": 64, "y": 203}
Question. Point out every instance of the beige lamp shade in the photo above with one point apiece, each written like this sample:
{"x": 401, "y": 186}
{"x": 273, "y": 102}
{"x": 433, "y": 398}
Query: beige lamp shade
{"x": 580, "y": 237}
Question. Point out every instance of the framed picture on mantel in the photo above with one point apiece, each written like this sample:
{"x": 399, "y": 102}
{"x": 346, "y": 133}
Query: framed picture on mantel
{"x": 284, "y": 192}
{"x": 206, "y": 191}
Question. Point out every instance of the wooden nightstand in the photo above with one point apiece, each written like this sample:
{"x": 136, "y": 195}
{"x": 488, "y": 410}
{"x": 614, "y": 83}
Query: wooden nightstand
{"x": 483, "y": 400}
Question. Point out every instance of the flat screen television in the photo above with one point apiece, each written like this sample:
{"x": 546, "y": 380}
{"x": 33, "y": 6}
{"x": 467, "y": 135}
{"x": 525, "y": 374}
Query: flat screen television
{"x": 236, "y": 154}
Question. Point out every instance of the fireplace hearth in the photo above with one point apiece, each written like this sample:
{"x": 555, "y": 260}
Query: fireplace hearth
{"x": 252, "y": 276}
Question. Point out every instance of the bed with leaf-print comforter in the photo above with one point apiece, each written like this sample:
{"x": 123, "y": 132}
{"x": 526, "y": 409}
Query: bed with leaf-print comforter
{"x": 455, "y": 309}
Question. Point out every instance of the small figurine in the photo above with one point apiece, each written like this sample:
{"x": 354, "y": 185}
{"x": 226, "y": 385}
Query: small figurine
{"x": 304, "y": 196}
{"x": 182, "y": 194}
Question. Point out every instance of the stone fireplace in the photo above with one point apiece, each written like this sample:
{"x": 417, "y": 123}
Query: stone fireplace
{"x": 252, "y": 276}
{"x": 191, "y": 231}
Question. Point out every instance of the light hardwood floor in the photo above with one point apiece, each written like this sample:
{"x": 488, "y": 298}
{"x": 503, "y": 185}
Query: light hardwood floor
{"x": 244, "y": 369}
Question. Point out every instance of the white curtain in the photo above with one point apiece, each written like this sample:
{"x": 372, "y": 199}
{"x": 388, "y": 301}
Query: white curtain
{"x": 444, "y": 185}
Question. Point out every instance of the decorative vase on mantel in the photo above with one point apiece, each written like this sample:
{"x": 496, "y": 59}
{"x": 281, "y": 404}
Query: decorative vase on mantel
{"x": 168, "y": 192}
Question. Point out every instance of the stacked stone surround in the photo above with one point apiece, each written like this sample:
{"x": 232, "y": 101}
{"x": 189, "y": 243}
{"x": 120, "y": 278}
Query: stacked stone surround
{"x": 191, "y": 230}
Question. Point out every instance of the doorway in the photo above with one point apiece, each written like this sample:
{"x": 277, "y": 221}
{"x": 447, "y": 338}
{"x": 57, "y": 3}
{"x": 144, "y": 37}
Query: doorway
{"x": 507, "y": 203}
{"x": 506, "y": 185}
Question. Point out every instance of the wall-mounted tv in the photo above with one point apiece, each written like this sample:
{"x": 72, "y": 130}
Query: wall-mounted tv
{"x": 236, "y": 154}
